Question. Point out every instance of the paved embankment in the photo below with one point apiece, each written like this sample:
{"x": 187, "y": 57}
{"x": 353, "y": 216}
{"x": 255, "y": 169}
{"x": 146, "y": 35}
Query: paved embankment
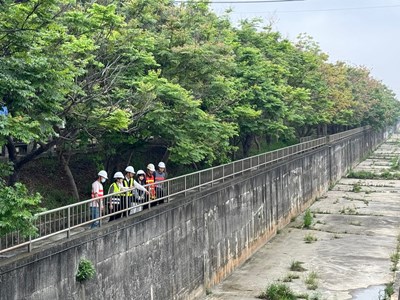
{"x": 355, "y": 228}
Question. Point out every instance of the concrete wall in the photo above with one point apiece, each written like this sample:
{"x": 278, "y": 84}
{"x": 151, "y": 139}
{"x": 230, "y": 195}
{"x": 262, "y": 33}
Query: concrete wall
{"x": 177, "y": 250}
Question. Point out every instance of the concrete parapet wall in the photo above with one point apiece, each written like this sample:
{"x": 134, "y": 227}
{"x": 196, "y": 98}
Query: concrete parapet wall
{"x": 178, "y": 250}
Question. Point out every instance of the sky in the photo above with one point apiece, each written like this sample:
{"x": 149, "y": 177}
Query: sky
{"x": 358, "y": 32}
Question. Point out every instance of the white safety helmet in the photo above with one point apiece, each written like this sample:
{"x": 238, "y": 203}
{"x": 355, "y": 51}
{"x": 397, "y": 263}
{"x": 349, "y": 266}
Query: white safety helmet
{"x": 161, "y": 165}
{"x": 151, "y": 167}
{"x": 140, "y": 172}
{"x": 103, "y": 173}
{"x": 130, "y": 169}
{"x": 119, "y": 175}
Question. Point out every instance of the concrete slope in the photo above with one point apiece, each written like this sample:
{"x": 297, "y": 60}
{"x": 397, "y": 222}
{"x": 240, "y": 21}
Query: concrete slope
{"x": 355, "y": 228}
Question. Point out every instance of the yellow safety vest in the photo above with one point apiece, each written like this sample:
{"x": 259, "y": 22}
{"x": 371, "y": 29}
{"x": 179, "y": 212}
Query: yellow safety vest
{"x": 128, "y": 184}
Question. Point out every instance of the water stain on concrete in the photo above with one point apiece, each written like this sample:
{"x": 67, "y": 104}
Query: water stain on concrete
{"x": 356, "y": 231}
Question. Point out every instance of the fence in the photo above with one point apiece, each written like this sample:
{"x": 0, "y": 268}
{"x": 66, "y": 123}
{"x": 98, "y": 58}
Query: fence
{"x": 61, "y": 222}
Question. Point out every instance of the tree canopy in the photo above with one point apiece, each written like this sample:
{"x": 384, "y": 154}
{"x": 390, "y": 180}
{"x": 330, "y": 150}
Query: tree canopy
{"x": 126, "y": 73}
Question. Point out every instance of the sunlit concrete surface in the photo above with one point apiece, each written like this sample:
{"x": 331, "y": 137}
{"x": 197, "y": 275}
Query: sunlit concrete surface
{"x": 356, "y": 226}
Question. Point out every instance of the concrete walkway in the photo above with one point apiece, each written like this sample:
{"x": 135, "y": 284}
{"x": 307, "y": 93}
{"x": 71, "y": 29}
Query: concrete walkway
{"x": 356, "y": 226}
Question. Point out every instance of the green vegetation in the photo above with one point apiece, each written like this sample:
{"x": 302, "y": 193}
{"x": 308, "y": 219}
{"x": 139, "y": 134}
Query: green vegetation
{"x": 356, "y": 187}
{"x": 369, "y": 175}
{"x": 85, "y": 271}
{"x": 311, "y": 281}
{"x": 108, "y": 80}
{"x": 395, "y": 163}
{"x": 395, "y": 256}
{"x": 362, "y": 175}
{"x": 17, "y": 210}
{"x": 296, "y": 266}
{"x": 310, "y": 238}
{"x": 348, "y": 211}
{"x": 278, "y": 291}
{"x": 389, "y": 291}
{"x": 307, "y": 219}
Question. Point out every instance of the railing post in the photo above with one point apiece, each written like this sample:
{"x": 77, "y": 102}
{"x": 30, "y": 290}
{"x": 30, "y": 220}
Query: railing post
{"x": 168, "y": 191}
{"x": 126, "y": 213}
{"x": 223, "y": 173}
{"x": 185, "y": 184}
{"x": 212, "y": 176}
{"x": 199, "y": 181}
{"x": 100, "y": 203}
{"x": 30, "y": 244}
{"x": 69, "y": 222}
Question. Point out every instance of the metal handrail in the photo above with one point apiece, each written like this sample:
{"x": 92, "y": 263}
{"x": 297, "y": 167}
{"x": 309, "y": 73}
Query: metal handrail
{"x": 64, "y": 219}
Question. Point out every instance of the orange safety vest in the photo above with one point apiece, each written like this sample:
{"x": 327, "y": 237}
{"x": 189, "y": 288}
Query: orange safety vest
{"x": 151, "y": 187}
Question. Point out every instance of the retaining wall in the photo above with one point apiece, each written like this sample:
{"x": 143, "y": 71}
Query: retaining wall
{"x": 177, "y": 250}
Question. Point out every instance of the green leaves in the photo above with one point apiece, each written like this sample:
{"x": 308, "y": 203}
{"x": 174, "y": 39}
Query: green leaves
{"x": 117, "y": 119}
{"x": 150, "y": 71}
{"x": 17, "y": 209}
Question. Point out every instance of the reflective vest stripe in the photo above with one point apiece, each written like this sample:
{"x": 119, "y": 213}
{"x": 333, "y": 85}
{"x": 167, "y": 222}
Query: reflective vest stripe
{"x": 128, "y": 184}
{"x": 116, "y": 189}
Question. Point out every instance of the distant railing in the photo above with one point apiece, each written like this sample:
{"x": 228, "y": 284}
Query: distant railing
{"x": 60, "y": 222}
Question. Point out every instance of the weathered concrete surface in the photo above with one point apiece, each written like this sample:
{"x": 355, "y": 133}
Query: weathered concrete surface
{"x": 357, "y": 232}
{"x": 180, "y": 249}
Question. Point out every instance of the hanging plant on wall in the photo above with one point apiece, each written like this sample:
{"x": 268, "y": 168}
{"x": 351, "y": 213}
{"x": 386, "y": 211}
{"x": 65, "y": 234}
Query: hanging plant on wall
{"x": 85, "y": 271}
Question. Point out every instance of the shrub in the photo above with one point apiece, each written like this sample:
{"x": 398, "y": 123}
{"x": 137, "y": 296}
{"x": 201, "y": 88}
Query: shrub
{"x": 17, "y": 210}
{"x": 86, "y": 270}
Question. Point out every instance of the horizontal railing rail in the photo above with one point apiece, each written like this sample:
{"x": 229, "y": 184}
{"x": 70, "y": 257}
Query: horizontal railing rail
{"x": 59, "y": 223}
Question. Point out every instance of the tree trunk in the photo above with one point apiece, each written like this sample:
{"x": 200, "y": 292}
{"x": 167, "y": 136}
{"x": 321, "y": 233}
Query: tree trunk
{"x": 12, "y": 156}
{"x": 246, "y": 144}
{"x": 165, "y": 157}
{"x": 257, "y": 144}
{"x": 71, "y": 180}
{"x": 268, "y": 139}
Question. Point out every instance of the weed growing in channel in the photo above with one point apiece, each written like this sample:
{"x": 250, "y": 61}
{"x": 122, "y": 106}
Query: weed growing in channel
{"x": 394, "y": 258}
{"x": 296, "y": 266}
{"x": 389, "y": 291}
{"x": 348, "y": 211}
{"x": 310, "y": 238}
{"x": 307, "y": 219}
{"x": 278, "y": 291}
{"x": 356, "y": 188}
{"x": 311, "y": 281}
{"x": 395, "y": 163}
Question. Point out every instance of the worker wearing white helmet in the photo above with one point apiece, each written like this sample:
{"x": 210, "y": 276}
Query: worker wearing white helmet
{"x": 116, "y": 202}
{"x": 159, "y": 176}
{"x": 150, "y": 181}
{"x": 141, "y": 179}
{"x": 133, "y": 186}
{"x": 97, "y": 205}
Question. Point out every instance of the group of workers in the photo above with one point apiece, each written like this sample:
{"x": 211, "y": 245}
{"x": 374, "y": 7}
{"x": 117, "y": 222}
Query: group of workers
{"x": 140, "y": 187}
